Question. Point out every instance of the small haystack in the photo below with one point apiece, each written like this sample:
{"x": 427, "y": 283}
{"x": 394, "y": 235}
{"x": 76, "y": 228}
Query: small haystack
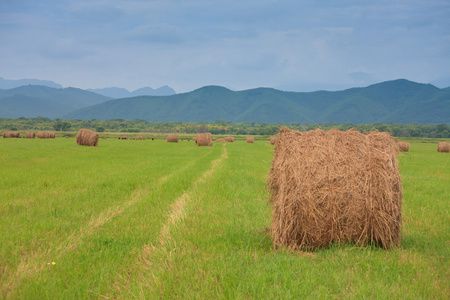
{"x": 220, "y": 141}
{"x": 172, "y": 138}
{"x": 87, "y": 137}
{"x": 229, "y": 139}
{"x": 403, "y": 146}
{"x": 273, "y": 140}
{"x": 203, "y": 139}
{"x": 11, "y": 134}
{"x": 443, "y": 147}
{"x": 334, "y": 186}
{"x": 30, "y": 135}
{"x": 139, "y": 137}
{"x": 45, "y": 135}
{"x": 250, "y": 139}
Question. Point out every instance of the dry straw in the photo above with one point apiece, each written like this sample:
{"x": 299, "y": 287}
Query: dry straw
{"x": 30, "y": 135}
{"x": 250, "y": 139}
{"x": 172, "y": 138}
{"x": 220, "y": 141}
{"x": 273, "y": 140}
{"x": 203, "y": 139}
{"x": 45, "y": 135}
{"x": 403, "y": 146}
{"x": 443, "y": 147}
{"x": 87, "y": 137}
{"x": 139, "y": 137}
{"x": 333, "y": 186}
{"x": 229, "y": 139}
{"x": 11, "y": 134}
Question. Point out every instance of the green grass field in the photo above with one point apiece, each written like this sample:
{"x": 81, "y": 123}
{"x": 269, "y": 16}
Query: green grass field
{"x": 150, "y": 219}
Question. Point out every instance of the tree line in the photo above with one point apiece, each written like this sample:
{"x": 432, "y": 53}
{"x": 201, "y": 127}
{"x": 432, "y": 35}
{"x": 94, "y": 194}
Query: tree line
{"x": 218, "y": 127}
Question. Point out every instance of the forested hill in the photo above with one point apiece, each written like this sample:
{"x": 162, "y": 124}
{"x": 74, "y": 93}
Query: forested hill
{"x": 397, "y": 101}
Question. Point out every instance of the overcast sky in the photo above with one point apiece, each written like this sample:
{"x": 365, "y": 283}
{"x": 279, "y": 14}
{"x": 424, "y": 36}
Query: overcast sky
{"x": 292, "y": 45}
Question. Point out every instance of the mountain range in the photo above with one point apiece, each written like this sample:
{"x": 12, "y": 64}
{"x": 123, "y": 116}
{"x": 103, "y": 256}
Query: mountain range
{"x": 396, "y": 101}
{"x": 115, "y": 92}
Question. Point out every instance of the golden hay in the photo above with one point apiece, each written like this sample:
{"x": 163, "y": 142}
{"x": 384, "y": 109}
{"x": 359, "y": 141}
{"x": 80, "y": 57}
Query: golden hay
{"x": 203, "y": 139}
{"x": 45, "y": 135}
{"x": 87, "y": 137}
{"x": 250, "y": 139}
{"x": 229, "y": 139}
{"x": 11, "y": 134}
{"x": 334, "y": 186}
{"x": 273, "y": 140}
{"x": 172, "y": 138}
{"x": 443, "y": 147}
{"x": 403, "y": 146}
{"x": 30, "y": 135}
{"x": 220, "y": 141}
{"x": 139, "y": 137}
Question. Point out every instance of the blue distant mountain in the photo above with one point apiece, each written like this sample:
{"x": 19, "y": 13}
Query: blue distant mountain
{"x": 397, "y": 101}
{"x": 115, "y": 92}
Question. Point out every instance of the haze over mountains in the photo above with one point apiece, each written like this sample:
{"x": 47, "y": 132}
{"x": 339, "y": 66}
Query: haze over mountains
{"x": 397, "y": 101}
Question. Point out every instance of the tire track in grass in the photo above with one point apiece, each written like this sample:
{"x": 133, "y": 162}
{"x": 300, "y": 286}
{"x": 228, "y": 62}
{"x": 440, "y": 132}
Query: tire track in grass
{"x": 177, "y": 210}
{"x": 32, "y": 264}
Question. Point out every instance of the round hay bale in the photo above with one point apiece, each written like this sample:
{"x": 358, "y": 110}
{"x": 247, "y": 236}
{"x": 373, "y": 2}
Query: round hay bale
{"x": 45, "y": 135}
{"x": 30, "y": 135}
{"x": 250, "y": 140}
{"x": 11, "y": 134}
{"x": 172, "y": 138}
{"x": 220, "y": 141}
{"x": 229, "y": 139}
{"x": 443, "y": 147}
{"x": 139, "y": 137}
{"x": 334, "y": 186}
{"x": 87, "y": 137}
{"x": 403, "y": 146}
{"x": 273, "y": 140}
{"x": 203, "y": 139}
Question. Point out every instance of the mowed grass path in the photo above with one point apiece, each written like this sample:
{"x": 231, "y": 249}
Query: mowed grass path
{"x": 150, "y": 219}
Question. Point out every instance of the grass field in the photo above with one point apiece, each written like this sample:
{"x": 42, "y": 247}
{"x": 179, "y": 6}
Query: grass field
{"x": 150, "y": 219}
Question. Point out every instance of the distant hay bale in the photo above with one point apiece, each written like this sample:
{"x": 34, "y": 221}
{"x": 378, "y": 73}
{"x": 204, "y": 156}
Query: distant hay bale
{"x": 443, "y": 147}
{"x": 203, "y": 139}
{"x": 45, "y": 135}
{"x": 334, "y": 186}
{"x": 139, "y": 137}
{"x": 30, "y": 135}
{"x": 403, "y": 146}
{"x": 250, "y": 139}
{"x": 229, "y": 139}
{"x": 220, "y": 141}
{"x": 11, "y": 134}
{"x": 273, "y": 140}
{"x": 124, "y": 137}
{"x": 172, "y": 138}
{"x": 87, "y": 137}
{"x": 213, "y": 138}
{"x": 104, "y": 138}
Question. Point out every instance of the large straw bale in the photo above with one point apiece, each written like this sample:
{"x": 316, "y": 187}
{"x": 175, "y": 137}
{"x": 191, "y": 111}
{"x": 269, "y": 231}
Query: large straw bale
{"x": 443, "y": 147}
{"x": 11, "y": 134}
{"x": 30, "y": 135}
{"x": 203, "y": 139}
{"x": 403, "y": 146}
{"x": 334, "y": 186}
{"x": 87, "y": 137}
{"x": 250, "y": 139}
{"x": 229, "y": 139}
{"x": 172, "y": 138}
